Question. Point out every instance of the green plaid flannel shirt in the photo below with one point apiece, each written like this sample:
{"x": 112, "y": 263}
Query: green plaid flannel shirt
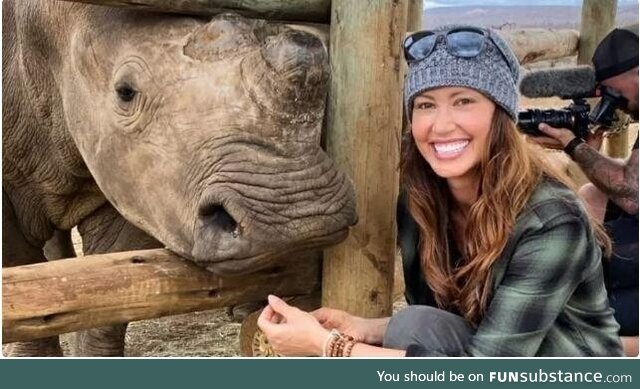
{"x": 549, "y": 297}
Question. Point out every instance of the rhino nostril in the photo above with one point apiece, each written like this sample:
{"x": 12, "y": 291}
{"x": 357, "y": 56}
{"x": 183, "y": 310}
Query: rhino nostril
{"x": 214, "y": 215}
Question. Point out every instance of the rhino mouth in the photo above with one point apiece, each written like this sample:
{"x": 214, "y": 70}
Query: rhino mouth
{"x": 227, "y": 239}
{"x": 236, "y": 266}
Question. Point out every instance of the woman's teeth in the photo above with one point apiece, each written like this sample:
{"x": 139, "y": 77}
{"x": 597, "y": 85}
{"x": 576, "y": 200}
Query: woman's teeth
{"x": 450, "y": 147}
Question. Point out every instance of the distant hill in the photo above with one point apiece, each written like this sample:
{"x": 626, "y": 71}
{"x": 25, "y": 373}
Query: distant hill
{"x": 507, "y": 17}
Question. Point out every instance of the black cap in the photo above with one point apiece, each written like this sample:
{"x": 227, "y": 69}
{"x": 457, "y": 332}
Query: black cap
{"x": 617, "y": 53}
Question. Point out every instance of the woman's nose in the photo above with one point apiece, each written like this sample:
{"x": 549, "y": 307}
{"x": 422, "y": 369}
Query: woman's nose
{"x": 443, "y": 122}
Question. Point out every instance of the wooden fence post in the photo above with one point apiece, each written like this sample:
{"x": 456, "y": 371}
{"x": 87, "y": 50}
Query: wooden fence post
{"x": 598, "y": 18}
{"x": 414, "y": 15}
{"x": 363, "y": 137}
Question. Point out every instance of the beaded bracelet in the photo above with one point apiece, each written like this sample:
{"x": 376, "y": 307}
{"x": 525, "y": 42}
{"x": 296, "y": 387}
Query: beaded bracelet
{"x": 349, "y": 348}
{"x": 338, "y": 345}
{"x": 330, "y": 342}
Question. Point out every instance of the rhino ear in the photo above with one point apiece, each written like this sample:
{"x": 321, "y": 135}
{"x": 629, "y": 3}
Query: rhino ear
{"x": 225, "y": 36}
{"x": 87, "y": 57}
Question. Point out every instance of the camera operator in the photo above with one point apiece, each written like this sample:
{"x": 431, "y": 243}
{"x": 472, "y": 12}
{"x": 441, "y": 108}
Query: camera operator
{"x": 612, "y": 195}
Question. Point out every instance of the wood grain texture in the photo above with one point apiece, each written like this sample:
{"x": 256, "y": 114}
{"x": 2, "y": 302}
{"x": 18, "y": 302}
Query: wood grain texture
{"x": 290, "y": 10}
{"x": 414, "y": 15}
{"x": 73, "y": 294}
{"x": 598, "y": 18}
{"x": 539, "y": 44}
{"x": 363, "y": 137}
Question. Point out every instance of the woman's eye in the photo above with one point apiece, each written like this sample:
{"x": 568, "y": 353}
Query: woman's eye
{"x": 126, "y": 93}
{"x": 464, "y": 101}
{"x": 423, "y": 105}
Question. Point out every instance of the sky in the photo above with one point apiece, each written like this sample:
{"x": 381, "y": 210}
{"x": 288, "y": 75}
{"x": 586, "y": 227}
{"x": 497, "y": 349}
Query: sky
{"x": 454, "y": 3}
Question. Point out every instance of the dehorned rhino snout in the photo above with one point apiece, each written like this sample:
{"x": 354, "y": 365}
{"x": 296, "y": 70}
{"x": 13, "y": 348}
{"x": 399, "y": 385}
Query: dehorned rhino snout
{"x": 288, "y": 76}
{"x": 297, "y": 57}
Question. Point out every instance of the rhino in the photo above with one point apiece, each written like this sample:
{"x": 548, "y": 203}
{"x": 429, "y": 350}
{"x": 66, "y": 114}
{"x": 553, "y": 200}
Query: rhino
{"x": 145, "y": 130}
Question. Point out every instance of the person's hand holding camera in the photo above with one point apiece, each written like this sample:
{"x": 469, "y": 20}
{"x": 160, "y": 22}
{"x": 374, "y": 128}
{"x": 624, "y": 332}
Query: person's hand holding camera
{"x": 559, "y": 138}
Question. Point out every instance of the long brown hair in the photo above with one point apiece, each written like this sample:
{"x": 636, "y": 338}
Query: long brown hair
{"x": 510, "y": 170}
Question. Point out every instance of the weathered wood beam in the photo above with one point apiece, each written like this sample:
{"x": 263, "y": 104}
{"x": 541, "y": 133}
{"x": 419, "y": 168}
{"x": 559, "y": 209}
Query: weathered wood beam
{"x": 292, "y": 10}
{"x": 74, "y": 294}
{"x": 414, "y": 15}
{"x": 598, "y": 18}
{"x": 538, "y": 44}
{"x": 364, "y": 120}
{"x": 529, "y": 44}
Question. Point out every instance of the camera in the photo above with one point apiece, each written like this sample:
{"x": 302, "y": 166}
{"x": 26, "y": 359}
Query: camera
{"x": 576, "y": 117}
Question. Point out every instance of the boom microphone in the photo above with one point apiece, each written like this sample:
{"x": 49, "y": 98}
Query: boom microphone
{"x": 568, "y": 83}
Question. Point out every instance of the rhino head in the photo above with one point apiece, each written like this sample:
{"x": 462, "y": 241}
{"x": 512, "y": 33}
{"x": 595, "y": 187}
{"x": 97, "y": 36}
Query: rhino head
{"x": 206, "y": 135}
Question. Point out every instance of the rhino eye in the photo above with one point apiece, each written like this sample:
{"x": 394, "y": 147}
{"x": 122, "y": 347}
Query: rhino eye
{"x": 126, "y": 92}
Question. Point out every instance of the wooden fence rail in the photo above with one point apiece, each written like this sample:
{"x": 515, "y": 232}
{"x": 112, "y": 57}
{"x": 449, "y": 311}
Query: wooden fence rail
{"x": 317, "y": 11}
{"x": 539, "y": 44}
{"x": 80, "y": 293}
{"x": 530, "y": 45}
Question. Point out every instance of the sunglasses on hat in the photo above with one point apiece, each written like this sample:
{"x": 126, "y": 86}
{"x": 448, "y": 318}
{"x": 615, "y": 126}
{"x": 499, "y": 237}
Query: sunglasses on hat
{"x": 464, "y": 42}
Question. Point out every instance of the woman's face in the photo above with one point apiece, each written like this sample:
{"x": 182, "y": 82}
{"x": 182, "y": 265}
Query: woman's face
{"x": 450, "y": 126}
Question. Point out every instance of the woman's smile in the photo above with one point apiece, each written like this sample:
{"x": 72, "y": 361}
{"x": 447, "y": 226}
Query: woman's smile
{"x": 450, "y": 149}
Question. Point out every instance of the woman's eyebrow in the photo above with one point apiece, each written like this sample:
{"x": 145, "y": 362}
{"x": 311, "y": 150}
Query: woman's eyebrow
{"x": 457, "y": 93}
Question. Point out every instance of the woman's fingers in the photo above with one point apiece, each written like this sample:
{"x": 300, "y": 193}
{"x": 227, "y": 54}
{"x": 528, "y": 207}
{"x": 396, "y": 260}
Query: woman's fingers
{"x": 280, "y": 307}
{"x": 265, "y": 319}
{"x": 321, "y": 314}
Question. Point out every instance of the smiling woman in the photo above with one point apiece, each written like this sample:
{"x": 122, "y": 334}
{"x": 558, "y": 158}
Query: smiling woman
{"x": 500, "y": 258}
{"x": 451, "y": 127}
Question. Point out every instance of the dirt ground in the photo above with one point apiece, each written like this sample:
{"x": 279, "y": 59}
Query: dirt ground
{"x": 200, "y": 334}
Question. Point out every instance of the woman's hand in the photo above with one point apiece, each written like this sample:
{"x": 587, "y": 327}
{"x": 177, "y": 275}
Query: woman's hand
{"x": 363, "y": 330}
{"x": 291, "y": 331}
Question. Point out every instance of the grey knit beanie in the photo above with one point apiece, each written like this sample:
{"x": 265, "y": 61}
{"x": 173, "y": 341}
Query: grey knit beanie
{"x": 490, "y": 72}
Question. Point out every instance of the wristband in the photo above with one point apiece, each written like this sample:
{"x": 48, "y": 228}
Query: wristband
{"x": 570, "y": 148}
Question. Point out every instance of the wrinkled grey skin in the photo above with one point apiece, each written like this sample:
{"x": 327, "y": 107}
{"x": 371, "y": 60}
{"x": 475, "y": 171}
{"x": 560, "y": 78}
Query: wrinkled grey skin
{"x": 149, "y": 130}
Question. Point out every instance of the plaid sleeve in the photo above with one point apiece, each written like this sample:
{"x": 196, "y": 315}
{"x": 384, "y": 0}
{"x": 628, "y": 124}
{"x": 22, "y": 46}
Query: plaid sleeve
{"x": 545, "y": 269}
{"x": 547, "y": 265}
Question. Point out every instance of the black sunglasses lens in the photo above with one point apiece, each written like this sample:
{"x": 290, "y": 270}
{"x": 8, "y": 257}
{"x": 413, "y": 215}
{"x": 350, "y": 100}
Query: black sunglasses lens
{"x": 465, "y": 43}
{"x": 419, "y": 47}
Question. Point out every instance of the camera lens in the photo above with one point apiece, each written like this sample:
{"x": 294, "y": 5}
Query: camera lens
{"x": 529, "y": 120}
